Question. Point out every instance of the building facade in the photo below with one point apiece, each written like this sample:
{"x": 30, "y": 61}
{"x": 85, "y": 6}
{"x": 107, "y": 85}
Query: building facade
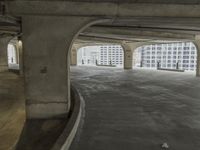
{"x": 88, "y": 55}
{"x": 183, "y": 55}
{"x": 101, "y": 55}
{"x": 111, "y": 55}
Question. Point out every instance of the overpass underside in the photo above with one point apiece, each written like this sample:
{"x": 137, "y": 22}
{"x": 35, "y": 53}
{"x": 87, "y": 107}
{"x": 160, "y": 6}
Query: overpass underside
{"x": 50, "y": 32}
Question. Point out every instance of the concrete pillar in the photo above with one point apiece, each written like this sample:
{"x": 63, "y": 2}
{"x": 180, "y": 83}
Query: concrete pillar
{"x": 73, "y": 56}
{"x": 128, "y": 59}
{"x": 20, "y": 57}
{"x": 197, "y": 44}
{"x": 3, "y": 53}
{"x": 198, "y": 63}
{"x": 46, "y": 44}
{"x": 129, "y": 48}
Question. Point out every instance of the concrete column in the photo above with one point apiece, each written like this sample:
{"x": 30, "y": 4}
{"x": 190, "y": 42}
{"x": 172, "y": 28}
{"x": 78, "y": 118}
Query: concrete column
{"x": 198, "y": 64}
{"x": 20, "y": 56}
{"x": 46, "y": 44}
{"x": 3, "y": 53}
{"x": 73, "y": 56}
{"x": 129, "y": 48}
{"x": 128, "y": 59}
{"x": 197, "y": 44}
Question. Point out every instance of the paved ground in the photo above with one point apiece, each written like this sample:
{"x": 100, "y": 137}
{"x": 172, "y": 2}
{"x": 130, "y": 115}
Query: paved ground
{"x": 137, "y": 109}
{"x": 40, "y": 134}
{"x": 12, "y": 109}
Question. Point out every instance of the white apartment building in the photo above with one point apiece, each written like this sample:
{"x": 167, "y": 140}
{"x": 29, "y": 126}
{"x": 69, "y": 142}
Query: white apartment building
{"x": 111, "y": 55}
{"x": 168, "y": 55}
{"x": 101, "y": 55}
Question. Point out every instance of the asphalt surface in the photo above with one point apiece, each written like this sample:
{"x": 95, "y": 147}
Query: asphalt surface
{"x": 137, "y": 109}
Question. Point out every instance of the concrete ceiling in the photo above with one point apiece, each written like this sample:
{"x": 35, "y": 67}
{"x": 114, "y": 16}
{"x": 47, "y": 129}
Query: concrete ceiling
{"x": 9, "y": 26}
{"x": 154, "y": 20}
{"x": 143, "y": 29}
{"x": 138, "y": 34}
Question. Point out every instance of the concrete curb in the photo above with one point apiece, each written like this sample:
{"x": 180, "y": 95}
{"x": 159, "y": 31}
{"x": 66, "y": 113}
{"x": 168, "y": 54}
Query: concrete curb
{"x": 66, "y": 138}
{"x": 175, "y": 70}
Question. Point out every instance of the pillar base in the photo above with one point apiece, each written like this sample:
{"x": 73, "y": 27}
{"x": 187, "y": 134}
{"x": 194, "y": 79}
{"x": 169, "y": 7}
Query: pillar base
{"x": 47, "y": 110}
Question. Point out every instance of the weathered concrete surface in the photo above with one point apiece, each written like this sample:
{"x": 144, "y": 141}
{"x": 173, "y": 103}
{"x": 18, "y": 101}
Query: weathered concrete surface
{"x": 12, "y": 109}
{"x": 40, "y": 134}
{"x": 46, "y": 43}
{"x": 73, "y": 56}
{"x": 121, "y": 9}
{"x": 137, "y": 109}
{"x": 129, "y": 49}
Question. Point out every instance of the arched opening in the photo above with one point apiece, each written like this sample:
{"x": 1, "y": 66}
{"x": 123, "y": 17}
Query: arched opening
{"x": 175, "y": 56}
{"x": 134, "y": 97}
{"x": 103, "y": 55}
{"x": 12, "y": 107}
{"x": 13, "y": 56}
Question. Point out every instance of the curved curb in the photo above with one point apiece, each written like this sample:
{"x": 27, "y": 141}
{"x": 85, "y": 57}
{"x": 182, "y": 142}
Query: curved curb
{"x": 68, "y": 134}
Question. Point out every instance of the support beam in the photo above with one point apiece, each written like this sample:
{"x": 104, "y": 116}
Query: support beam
{"x": 3, "y": 53}
{"x": 19, "y": 54}
{"x": 112, "y": 8}
{"x": 131, "y": 32}
{"x": 46, "y": 43}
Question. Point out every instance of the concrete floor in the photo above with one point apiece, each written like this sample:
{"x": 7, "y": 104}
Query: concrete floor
{"x": 137, "y": 109}
{"x": 12, "y": 109}
{"x": 40, "y": 134}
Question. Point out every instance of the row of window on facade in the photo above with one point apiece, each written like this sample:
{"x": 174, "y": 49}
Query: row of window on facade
{"x": 170, "y": 48}
{"x": 102, "y": 55}
{"x": 168, "y": 55}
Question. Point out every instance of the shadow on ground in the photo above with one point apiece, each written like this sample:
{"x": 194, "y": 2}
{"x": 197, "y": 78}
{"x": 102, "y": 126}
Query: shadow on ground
{"x": 40, "y": 134}
{"x": 12, "y": 109}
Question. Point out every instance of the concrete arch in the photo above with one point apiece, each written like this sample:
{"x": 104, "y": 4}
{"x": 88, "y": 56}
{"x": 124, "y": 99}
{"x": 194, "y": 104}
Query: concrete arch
{"x": 90, "y": 23}
{"x": 49, "y": 41}
{"x": 110, "y": 59}
{"x": 12, "y": 54}
{"x": 4, "y": 41}
{"x": 177, "y": 54}
{"x": 197, "y": 45}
